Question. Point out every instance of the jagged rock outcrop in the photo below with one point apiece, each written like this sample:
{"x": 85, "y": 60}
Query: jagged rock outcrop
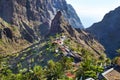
{"x": 84, "y": 39}
{"x": 27, "y": 21}
{"x": 37, "y": 13}
{"x": 107, "y": 32}
{"x": 24, "y": 22}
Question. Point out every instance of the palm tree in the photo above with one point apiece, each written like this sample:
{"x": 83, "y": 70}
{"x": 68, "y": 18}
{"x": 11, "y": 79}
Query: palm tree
{"x": 39, "y": 73}
{"x": 54, "y": 70}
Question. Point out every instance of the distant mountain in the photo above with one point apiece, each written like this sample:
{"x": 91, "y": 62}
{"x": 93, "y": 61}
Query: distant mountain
{"x": 74, "y": 20}
{"x": 108, "y": 31}
{"x": 23, "y": 22}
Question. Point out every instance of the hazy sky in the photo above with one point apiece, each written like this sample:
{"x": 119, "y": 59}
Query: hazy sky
{"x": 91, "y": 11}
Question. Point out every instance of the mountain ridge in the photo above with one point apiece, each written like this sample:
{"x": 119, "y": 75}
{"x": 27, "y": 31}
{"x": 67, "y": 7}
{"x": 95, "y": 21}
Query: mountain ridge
{"x": 59, "y": 26}
{"x": 107, "y": 32}
{"x": 31, "y": 19}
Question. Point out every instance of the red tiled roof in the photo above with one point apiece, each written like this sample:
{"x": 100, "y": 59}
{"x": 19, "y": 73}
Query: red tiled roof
{"x": 70, "y": 75}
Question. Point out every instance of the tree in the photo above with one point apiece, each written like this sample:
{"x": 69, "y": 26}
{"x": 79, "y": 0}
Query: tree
{"x": 90, "y": 73}
{"x": 116, "y": 60}
{"x": 66, "y": 63}
{"x": 118, "y": 51}
{"x": 39, "y": 73}
{"x": 54, "y": 70}
{"x": 88, "y": 67}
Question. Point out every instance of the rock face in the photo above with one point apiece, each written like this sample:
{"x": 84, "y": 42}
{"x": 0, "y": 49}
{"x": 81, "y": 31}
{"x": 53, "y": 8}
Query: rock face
{"x": 84, "y": 39}
{"x": 37, "y": 12}
{"x": 74, "y": 18}
{"x": 30, "y": 20}
{"x": 24, "y": 22}
{"x": 107, "y": 32}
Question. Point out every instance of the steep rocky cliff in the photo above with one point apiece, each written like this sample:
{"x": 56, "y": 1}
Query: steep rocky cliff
{"x": 74, "y": 18}
{"x": 27, "y": 21}
{"x": 84, "y": 39}
{"x": 36, "y": 13}
{"x": 107, "y": 32}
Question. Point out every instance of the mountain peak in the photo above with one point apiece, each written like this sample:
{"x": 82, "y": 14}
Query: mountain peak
{"x": 32, "y": 19}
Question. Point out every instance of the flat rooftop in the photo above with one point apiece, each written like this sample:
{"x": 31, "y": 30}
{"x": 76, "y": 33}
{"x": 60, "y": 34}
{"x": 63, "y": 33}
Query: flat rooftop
{"x": 112, "y": 74}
